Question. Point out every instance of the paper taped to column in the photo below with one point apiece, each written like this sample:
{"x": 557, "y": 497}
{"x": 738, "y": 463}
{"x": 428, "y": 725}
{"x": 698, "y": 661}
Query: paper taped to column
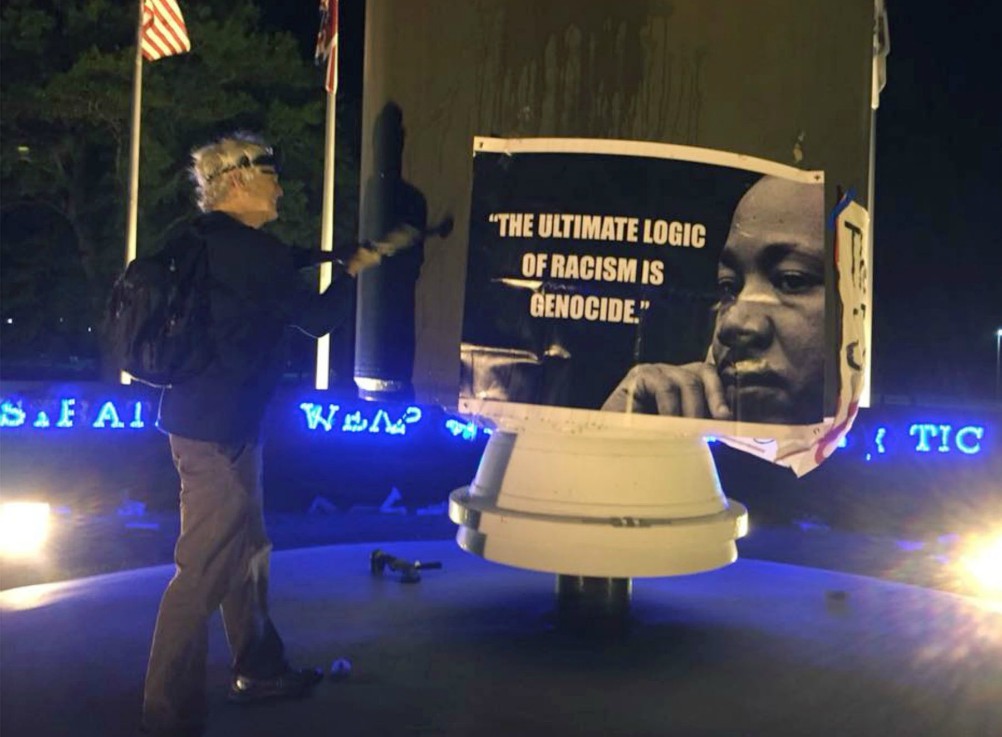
{"x": 656, "y": 286}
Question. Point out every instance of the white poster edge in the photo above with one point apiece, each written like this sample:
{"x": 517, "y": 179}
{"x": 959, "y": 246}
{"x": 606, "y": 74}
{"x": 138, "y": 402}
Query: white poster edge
{"x": 518, "y": 416}
{"x": 648, "y": 149}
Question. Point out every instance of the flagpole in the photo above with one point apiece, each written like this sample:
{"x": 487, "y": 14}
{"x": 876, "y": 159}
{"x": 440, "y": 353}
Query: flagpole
{"x": 137, "y": 104}
{"x": 137, "y": 101}
{"x": 327, "y": 235}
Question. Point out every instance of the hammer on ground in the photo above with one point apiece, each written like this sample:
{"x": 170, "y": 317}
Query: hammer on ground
{"x": 409, "y": 571}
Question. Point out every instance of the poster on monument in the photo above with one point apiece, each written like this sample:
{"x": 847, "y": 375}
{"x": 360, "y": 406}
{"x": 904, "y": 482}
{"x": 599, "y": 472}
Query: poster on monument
{"x": 682, "y": 287}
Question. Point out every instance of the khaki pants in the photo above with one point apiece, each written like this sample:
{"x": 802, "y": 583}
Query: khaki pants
{"x": 222, "y": 559}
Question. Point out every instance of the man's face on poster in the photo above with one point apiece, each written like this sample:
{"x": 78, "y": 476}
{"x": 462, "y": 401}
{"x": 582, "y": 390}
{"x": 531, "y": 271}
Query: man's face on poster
{"x": 768, "y": 341}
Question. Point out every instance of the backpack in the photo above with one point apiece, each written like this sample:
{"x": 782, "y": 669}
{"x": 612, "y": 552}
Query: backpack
{"x": 157, "y": 322}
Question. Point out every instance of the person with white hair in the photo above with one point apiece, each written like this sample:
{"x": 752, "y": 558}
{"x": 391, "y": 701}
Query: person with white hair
{"x": 214, "y": 422}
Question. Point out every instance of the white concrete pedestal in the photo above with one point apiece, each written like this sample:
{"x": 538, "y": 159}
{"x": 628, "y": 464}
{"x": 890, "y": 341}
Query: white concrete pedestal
{"x": 610, "y": 504}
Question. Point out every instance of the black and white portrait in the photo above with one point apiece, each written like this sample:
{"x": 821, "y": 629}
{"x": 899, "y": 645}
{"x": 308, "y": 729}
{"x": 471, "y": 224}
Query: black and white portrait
{"x": 647, "y": 279}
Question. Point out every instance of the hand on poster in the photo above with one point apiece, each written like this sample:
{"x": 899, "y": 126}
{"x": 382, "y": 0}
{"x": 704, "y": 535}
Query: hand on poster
{"x": 691, "y": 390}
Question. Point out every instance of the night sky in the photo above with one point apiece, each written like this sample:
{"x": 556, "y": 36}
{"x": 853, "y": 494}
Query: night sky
{"x": 937, "y": 262}
{"x": 937, "y": 299}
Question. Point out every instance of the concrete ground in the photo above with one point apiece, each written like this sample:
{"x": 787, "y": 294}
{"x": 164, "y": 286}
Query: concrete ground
{"x": 757, "y": 648}
{"x": 84, "y": 545}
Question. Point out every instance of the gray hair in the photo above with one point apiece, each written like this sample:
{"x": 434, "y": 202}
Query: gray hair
{"x": 210, "y": 162}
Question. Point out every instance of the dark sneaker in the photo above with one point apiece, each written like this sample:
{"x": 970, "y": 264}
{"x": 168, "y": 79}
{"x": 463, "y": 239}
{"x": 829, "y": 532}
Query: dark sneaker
{"x": 294, "y": 683}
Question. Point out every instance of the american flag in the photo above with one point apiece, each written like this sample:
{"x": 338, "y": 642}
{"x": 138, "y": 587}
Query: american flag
{"x": 164, "y": 32}
{"x": 327, "y": 42}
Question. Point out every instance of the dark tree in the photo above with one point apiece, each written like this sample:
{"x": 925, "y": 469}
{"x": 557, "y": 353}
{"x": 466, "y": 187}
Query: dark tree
{"x": 67, "y": 70}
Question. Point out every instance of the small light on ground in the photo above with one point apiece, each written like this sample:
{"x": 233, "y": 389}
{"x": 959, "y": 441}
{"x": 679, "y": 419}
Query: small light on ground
{"x": 24, "y": 528}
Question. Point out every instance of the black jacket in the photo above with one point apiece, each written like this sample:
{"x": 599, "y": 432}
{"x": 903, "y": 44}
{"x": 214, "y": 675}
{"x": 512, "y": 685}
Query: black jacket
{"x": 256, "y": 292}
